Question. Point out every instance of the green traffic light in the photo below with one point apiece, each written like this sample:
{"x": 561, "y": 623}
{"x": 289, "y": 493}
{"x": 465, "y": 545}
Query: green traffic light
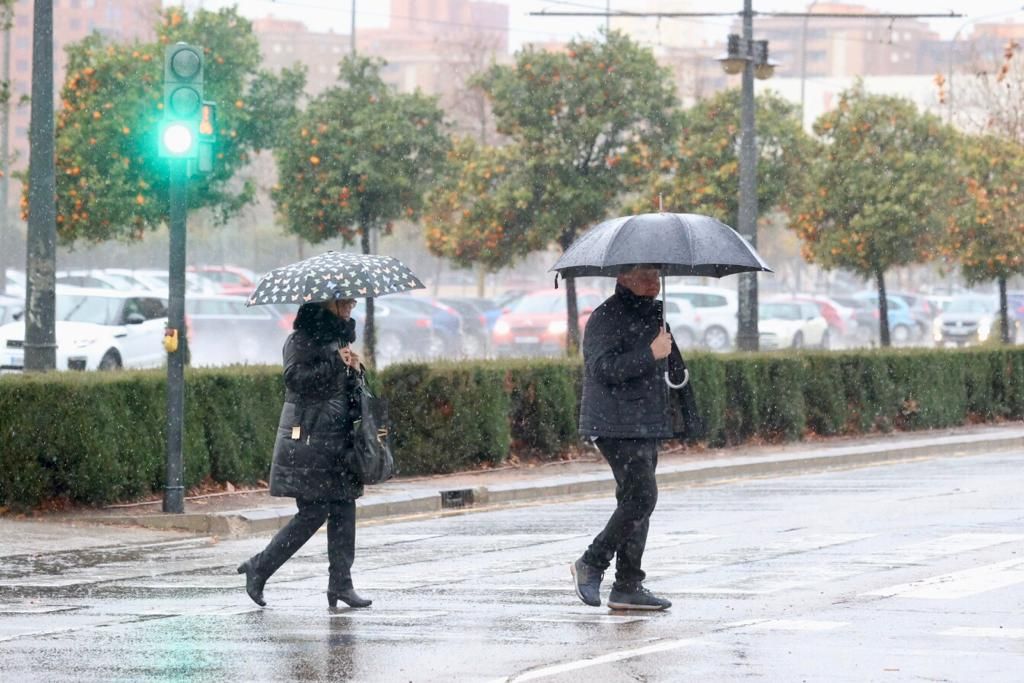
{"x": 177, "y": 138}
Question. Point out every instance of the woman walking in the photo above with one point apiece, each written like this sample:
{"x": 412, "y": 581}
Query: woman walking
{"x": 321, "y": 374}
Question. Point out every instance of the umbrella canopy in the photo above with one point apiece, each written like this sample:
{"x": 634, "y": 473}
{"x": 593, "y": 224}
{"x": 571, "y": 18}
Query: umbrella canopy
{"x": 334, "y": 275}
{"x": 676, "y": 243}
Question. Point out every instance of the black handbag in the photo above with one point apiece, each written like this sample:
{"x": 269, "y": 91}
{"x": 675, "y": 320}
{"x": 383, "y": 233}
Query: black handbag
{"x": 372, "y": 461}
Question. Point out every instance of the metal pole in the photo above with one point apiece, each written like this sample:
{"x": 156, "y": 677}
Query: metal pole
{"x": 747, "y": 336}
{"x": 41, "y": 259}
{"x": 5, "y": 135}
{"x": 803, "y": 59}
{"x": 174, "y": 490}
{"x": 352, "y": 36}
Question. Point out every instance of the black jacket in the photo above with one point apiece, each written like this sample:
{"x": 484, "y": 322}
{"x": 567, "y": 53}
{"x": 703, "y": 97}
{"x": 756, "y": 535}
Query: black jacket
{"x": 624, "y": 390}
{"x": 320, "y": 401}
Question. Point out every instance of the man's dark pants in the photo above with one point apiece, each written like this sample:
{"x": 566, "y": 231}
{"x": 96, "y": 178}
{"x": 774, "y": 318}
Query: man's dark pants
{"x": 633, "y": 462}
{"x": 341, "y": 540}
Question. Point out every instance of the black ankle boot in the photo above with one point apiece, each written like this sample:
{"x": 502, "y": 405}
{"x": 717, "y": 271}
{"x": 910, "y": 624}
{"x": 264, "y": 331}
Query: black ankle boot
{"x": 253, "y": 583}
{"x": 347, "y": 596}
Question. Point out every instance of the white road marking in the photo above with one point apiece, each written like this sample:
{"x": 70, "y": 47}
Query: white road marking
{"x": 984, "y": 632}
{"x": 959, "y": 584}
{"x": 548, "y": 671}
{"x": 41, "y": 609}
{"x": 586, "y": 619}
{"x": 388, "y": 616}
{"x": 953, "y": 544}
{"x": 797, "y": 625}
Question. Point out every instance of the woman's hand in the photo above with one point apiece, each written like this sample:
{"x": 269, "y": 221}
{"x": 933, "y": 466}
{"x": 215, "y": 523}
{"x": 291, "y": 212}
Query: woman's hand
{"x": 349, "y": 357}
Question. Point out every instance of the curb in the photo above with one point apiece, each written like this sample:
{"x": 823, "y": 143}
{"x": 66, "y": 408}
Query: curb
{"x": 383, "y": 506}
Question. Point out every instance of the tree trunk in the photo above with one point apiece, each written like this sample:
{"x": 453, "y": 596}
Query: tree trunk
{"x": 883, "y": 310}
{"x": 572, "y": 316}
{"x": 1004, "y": 319}
{"x": 369, "y": 332}
{"x": 481, "y": 281}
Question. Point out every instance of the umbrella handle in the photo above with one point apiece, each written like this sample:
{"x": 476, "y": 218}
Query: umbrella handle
{"x": 686, "y": 379}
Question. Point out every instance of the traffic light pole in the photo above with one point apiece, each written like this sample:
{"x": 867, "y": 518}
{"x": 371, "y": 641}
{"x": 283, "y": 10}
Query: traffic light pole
{"x": 174, "y": 490}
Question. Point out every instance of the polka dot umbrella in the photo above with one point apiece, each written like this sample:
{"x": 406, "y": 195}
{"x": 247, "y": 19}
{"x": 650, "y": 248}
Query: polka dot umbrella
{"x": 334, "y": 275}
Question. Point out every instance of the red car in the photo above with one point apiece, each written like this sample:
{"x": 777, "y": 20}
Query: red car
{"x": 535, "y": 324}
{"x": 231, "y": 279}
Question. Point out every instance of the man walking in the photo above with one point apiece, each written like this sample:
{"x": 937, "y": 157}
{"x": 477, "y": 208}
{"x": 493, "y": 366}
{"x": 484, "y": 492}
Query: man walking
{"x": 627, "y": 408}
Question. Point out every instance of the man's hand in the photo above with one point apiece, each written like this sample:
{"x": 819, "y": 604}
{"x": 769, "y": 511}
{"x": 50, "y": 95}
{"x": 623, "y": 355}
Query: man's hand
{"x": 662, "y": 345}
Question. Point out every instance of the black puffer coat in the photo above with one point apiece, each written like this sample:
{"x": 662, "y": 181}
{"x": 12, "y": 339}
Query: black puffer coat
{"x": 624, "y": 391}
{"x": 320, "y": 400}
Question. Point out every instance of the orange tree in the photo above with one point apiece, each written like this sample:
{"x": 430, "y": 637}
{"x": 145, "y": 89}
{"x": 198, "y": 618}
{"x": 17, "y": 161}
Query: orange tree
{"x": 986, "y": 227}
{"x": 110, "y": 183}
{"x": 880, "y": 191}
{"x": 480, "y": 212}
{"x": 588, "y": 123}
{"x": 701, "y": 174}
{"x": 359, "y": 157}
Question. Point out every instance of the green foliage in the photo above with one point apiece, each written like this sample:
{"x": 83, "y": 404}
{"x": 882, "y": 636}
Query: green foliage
{"x": 985, "y": 234}
{"x": 881, "y": 188}
{"x": 701, "y": 174}
{"x": 481, "y": 210}
{"x": 446, "y": 417}
{"x": 97, "y": 438}
{"x": 360, "y": 156}
{"x": 589, "y": 122}
{"x": 110, "y": 182}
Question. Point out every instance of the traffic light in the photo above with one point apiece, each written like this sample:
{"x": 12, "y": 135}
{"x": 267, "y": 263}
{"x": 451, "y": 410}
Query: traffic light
{"x": 183, "y": 101}
{"x": 207, "y": 137}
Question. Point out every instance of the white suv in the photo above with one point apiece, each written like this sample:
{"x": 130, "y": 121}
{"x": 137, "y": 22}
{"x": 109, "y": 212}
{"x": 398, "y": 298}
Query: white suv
{"x": 97, "y": 329}
{"x": 715, "y": 312}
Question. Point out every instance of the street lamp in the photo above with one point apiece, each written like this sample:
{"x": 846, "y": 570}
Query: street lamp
{"x": 749, "y": 57}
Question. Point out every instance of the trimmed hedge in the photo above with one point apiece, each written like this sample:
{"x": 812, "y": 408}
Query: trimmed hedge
{"x": 100, "y": 437}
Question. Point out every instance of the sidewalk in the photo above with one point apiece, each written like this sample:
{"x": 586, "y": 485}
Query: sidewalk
{"x": 240, "y": 514}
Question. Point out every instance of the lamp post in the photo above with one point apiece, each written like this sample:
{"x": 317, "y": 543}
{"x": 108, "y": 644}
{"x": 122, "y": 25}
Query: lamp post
{"x": 751, "y": 58}
{"x": 803, "y": 59}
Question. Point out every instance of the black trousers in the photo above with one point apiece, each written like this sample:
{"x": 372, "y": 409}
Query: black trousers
{"x": 633, "y": 462}
{"x": 341, "y": 540}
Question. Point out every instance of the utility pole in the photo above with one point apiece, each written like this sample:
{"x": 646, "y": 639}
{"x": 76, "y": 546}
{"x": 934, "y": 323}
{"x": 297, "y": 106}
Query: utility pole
{"x": 7, "y": 17}
{"x": 41, "y": 260}
{"x": 747, "y": 336}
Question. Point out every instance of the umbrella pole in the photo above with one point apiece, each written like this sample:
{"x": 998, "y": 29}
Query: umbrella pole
{"x": 664, "y": 326}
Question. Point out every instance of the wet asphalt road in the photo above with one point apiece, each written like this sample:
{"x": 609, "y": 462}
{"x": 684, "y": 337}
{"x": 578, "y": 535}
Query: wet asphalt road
{"x": 910, "y": 572}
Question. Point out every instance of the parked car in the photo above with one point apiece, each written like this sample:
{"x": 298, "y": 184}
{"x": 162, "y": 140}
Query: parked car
{"x": 157, "y": 280}
{"x": 445, "y": 322}
{"x": 15, "y": 282}
{"x": 920, "y": 310}
{"x": 403, "y": 333}
{"x": 842, "y": 320}
{"x": 865, "y": 305}
{"x": 969, "y": 319}
{"x": 716, "y": 309}
{"x": 535, "y": 324}
{"x": 476, "y": 328}
{"x": 97, "y": 329}
{"x": 11, "y": 308}
{"x": 791, "y": 324}
{"x": 224, "y": 331}
{"x": 229, "y": 279}
{"x": 93, "y": 279}
{"x": 681, "y": 317}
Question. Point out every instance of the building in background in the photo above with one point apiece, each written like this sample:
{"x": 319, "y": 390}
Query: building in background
{"x": 285, "y": 42}
{"x": 73, "y": 20}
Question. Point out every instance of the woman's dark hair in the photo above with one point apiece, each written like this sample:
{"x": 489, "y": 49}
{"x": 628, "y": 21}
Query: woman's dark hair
{"x": 323, "y": 326}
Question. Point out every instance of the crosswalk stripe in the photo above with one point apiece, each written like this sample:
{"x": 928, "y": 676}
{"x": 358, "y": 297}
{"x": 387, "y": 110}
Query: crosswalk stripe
{"x": 548, "y": 671}
{"x": 959, "y": 584}
{"x": 984, "y": 632}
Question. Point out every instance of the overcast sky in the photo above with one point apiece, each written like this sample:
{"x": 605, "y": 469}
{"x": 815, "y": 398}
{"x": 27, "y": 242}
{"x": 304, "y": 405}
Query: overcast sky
{"x": 336, "y": 14}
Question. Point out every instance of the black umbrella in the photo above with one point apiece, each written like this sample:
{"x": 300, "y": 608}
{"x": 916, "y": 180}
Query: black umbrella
{"x": 674, "y": 243}
{"x": 334, "y": 275}
{"x": 677, "y": 243}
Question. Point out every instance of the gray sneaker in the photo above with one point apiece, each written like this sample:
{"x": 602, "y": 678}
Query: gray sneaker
{"x": 587, "y": 582}
{"x": 640, "y": 598}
